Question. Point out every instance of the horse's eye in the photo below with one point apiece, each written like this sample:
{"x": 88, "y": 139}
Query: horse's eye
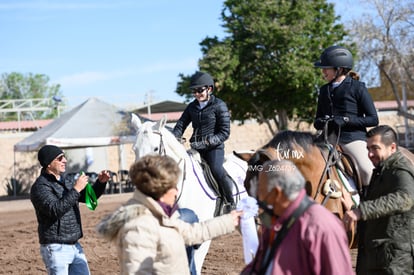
{"x": 155, "y": 149}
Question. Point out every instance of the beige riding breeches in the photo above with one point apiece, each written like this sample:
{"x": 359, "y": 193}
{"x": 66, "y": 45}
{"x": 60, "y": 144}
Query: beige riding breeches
{"x": 358, "y": 151}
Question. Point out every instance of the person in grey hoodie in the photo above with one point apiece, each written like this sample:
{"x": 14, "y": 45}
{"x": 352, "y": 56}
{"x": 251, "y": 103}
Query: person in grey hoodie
{"x": 147, "y": 231}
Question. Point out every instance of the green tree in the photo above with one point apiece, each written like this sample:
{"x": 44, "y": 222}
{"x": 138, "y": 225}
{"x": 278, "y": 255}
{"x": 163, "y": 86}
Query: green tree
{"x": 264, "y": 67}
{"x": 15, "y": 86}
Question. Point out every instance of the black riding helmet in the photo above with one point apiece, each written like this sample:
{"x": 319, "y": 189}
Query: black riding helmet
{"x": 335, "y": 57}
{"x": 200, "y": 79}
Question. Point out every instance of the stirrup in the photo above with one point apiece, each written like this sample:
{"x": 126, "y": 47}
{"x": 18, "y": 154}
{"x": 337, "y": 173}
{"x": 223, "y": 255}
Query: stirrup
{"x": 331, "y": 188}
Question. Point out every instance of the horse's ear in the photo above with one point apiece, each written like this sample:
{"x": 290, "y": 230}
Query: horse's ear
{"x": 244, "y": 155}
{"x": 163, "y": 120}
{"x": 135, "y": 121}
{"x": 161, "y": 123}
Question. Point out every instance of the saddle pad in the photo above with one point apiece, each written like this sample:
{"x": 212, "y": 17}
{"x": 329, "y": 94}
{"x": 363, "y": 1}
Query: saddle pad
{"x": 350, "y": 186}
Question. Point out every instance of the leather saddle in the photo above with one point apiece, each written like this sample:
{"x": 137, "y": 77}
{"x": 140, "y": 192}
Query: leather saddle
{"x": 221, "y": 202}
{"x": 346, "y": 172}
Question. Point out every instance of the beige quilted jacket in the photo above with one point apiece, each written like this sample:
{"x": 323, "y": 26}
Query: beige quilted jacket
{"x": 150, "y": 242}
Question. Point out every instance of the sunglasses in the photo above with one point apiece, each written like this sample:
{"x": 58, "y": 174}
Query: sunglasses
{"x": 199, "y": 90}
{"x": 60, "y": 158}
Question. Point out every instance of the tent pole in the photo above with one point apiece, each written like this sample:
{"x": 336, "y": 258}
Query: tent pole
{"x": 121, "y": 156}
{"x": 14, "y": 174}
{"x": 121, "y": 164}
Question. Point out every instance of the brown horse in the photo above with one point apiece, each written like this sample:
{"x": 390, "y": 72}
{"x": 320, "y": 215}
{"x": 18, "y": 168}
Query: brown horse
{"x": 324, "y": 168}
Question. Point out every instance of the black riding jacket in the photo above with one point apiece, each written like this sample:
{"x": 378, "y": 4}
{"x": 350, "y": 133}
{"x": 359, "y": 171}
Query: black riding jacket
{"x": 211, "y": 124}
{"x": 350, "y": 99}
{"x": 57, "y": 208}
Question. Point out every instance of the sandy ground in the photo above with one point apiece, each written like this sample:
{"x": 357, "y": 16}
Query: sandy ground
{"x": 19, "y": 250}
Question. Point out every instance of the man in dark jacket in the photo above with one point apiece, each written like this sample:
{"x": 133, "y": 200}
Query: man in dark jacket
{"x": 56, "y": 202}
{"x": 386, "y": 213}
{"x": 210, "y": 119}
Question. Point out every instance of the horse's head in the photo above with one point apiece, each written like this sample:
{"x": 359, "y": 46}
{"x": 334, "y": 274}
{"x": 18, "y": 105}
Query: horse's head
{"x": 255, "y": 161}
{"x": 154, "y": 138}
{"x": 148, "y": 139}
{"x": 291, "y": 145}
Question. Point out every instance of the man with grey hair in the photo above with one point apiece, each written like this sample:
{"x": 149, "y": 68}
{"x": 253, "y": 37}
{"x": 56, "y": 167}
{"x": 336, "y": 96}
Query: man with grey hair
{"x": 299, "y": 236}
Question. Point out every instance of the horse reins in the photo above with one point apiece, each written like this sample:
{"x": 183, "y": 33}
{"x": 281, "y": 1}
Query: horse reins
{"x": 330, "y": 161}
{"x": 162, "y": 151}
{"x": 161, "y": 147}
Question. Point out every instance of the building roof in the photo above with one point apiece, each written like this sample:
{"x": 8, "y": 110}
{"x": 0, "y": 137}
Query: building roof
{"x": 171, "y": 116}
{"x": 25, "y": 125}
{"x": 156, "y": 111}
{"x": 166, "y": 106}
{"x": 391, "y": 105}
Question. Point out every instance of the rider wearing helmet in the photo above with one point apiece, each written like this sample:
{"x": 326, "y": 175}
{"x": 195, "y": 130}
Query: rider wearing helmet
{"x": 346, "y": 100}
{"x": 210, "y": 119}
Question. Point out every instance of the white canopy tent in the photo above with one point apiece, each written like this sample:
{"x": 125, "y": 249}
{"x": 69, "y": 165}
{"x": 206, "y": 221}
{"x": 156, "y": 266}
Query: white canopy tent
{"x": 90, "y": 124}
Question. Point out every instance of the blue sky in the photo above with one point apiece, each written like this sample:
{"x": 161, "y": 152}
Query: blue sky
{"x": 119, "y": 51}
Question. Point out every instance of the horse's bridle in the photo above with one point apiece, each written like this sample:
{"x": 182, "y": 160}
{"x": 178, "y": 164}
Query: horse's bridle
{"x": 163, "y": 152}
{"x": 161, "y": 147}
{"x": 330, "y": 161}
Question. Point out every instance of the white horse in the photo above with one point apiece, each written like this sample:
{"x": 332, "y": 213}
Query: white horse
{"x": 194, "y": 192}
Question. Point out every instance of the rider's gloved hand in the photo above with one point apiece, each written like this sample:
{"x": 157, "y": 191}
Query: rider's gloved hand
{"x": 181, "y": 140}
{"x": 341, "y": 120}
{"x": 320, "y": 122}
{"x": 198, "y": 145}
{"x": 213, "y": 141}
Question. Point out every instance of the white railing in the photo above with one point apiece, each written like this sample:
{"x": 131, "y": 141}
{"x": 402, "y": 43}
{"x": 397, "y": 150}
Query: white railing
{"x": 405, "y": 135}
{"x": 27, "y": 105}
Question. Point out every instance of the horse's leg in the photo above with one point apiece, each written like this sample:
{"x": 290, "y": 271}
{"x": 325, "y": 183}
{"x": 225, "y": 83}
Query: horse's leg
{"x": 200, "y": 254}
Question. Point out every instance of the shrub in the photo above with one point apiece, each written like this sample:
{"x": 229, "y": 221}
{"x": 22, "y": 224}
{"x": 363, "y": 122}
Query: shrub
{"x": 16, "y": 187}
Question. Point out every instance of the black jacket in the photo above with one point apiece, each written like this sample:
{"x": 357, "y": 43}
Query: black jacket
{"x": 57, "y": 209}
{"x": 211, "y": 124}
{"x": 350, "y": 99}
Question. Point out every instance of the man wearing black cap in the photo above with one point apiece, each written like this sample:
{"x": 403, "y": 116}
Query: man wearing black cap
{"x": 56, "y": 202}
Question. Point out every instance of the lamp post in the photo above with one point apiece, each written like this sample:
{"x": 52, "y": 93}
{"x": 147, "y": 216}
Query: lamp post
{"x": 149, "y": 101}
{"x": 57, "y": 101}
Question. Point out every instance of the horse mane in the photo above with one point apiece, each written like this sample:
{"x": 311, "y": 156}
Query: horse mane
{"x": 174, "y": 144}
{"x": 289, "y": 139}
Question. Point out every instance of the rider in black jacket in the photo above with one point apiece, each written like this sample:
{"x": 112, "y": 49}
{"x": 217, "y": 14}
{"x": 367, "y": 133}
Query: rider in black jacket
{"x": 56, "y": 202}
{"x": 347, "y": 102}
{"x": 210, "y": 119}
